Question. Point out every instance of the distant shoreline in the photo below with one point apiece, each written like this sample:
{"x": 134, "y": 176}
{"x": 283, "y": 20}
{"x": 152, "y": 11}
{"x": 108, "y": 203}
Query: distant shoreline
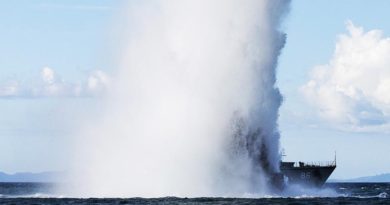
{"x": 380, "y": 178}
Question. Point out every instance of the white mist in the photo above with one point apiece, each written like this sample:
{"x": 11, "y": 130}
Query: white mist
{"x": 193, "y": 74}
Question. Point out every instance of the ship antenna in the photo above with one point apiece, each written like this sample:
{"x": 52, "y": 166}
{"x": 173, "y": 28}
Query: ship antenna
{"x": 283, "y": 153}
{"x": 335, "y": 158}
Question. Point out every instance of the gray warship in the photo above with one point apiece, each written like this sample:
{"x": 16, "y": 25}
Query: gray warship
{"x": 307, "y": 174}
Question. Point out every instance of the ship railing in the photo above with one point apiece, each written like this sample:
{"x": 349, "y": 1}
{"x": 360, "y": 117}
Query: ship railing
{"x": 315, "y": 164}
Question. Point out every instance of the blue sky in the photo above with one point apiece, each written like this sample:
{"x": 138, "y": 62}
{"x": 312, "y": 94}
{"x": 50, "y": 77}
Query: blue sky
{"x": 313, "y": 28}
{"x": 72, "y": 38}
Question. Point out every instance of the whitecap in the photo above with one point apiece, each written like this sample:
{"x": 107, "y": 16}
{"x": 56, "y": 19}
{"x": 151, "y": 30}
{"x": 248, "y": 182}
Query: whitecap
{"x": 383, "y": 195}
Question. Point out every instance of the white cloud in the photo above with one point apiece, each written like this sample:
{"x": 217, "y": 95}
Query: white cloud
{"x": 98, "y": 81}
{"x": 9, "y": 89}
{"x": 47, "y": 75}
{"x": 352, "y": 91}
{"x": 50, "y": 85}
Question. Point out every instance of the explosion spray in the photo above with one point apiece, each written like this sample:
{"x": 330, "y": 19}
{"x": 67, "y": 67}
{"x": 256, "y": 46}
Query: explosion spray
{"x": 193, "y": 108}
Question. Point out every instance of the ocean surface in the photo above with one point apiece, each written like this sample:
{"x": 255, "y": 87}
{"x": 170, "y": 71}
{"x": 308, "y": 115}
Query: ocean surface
{"x": 331, "y": 193}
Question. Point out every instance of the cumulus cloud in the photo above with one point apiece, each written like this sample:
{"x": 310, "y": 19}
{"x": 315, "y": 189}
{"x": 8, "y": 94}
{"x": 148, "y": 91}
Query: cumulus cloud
{"x": 353, "y": 89}
{"x": 51, "y": 85}
{"x": 9, "y": 89}
{"x": 48, "y": 75}
{"x": 98, "y": 82}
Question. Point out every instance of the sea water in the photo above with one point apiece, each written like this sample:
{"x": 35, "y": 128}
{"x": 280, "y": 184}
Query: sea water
{"x": 342, "y": 193}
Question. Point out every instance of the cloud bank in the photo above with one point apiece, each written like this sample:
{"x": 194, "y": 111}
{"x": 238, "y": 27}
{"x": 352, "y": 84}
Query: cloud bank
{"x": 51, "y": 85}
{"x": 352, "y": 91}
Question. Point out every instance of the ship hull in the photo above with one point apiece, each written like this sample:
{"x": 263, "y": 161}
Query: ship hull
{"x": 308, "y": 175}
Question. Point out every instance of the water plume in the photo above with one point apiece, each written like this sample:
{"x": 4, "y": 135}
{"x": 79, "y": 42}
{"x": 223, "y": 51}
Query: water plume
{"x": 193, "y": 108}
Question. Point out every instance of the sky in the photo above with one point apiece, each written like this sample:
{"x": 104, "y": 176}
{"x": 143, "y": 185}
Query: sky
{"x": 57, "y": 56}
